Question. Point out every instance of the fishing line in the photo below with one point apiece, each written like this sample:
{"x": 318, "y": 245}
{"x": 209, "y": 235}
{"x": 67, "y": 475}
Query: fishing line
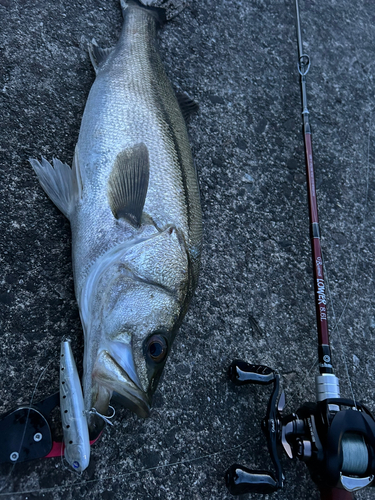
{"x": 362, "y": 230}
{"x": 337, "y": 322}
{"x": 130, "y": 473}
{"x": 106, "y": 478}
{"x": 27, "y": 419}
{"x": 326, "y": 386}
{"x": 335, "y": 328}
{"x": 307, "y": 377}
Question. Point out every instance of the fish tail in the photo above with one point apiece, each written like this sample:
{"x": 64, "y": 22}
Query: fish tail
{"x": 161, "y": 14}
{"x": 98, "y": 55}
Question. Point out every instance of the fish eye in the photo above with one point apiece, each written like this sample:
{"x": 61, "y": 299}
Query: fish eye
{"x": 157, "y": 348}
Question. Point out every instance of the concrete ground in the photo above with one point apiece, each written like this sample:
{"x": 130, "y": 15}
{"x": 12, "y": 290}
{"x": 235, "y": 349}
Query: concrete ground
{"x": 255, "y": 297}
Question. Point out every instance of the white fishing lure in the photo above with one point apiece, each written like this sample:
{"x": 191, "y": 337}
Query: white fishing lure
{"x": 73, "y": 414}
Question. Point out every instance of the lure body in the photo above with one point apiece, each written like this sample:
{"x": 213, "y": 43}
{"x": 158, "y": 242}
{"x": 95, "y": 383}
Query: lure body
{"x": 73, "y": 414}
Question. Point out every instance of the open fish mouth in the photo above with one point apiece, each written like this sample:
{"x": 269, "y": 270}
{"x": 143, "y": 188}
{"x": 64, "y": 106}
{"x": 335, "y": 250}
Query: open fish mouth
{"x": 121, "y": 381}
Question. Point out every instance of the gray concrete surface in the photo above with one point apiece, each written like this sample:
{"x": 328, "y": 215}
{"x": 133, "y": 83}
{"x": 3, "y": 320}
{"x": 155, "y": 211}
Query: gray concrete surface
{"x": 255, "y": 297}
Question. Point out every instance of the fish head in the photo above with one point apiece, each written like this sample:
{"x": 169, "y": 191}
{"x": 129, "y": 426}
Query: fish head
{"x": 140, "y": 302}
{"x": 137, "y": 335}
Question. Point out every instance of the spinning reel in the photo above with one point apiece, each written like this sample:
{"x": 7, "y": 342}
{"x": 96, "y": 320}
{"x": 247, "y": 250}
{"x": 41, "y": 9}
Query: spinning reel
{"x": 335, "y": 437}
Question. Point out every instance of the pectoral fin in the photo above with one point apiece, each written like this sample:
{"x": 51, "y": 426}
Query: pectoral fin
{"x": 128, "y": 183}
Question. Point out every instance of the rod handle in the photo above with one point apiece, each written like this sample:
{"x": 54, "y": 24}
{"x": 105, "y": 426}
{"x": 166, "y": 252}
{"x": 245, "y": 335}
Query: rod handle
{"x": 240, "y": 480}
{"x": 242, "y": 373}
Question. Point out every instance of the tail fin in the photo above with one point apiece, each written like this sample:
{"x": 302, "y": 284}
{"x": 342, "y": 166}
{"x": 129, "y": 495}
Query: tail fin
{"x": 163, "y": 10}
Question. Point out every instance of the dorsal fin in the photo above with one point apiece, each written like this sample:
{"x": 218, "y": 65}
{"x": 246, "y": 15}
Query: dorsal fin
{"x": 128, "y": 183}
{"x": 187, "y": 105}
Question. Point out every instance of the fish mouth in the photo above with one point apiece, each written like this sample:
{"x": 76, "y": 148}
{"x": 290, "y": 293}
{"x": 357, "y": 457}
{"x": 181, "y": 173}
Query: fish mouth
{"x": 119, "y": 380}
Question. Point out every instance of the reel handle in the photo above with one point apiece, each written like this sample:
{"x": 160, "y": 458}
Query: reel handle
{"x": 242, "y": 373}
{"x": 240, "y": 480}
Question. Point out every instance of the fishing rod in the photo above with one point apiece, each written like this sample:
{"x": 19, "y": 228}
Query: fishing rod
{"x": 334, "y": 436}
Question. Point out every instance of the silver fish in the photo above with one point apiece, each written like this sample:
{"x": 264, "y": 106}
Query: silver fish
{"x": 73, "y": 414}
{"x": 132, "y": 198}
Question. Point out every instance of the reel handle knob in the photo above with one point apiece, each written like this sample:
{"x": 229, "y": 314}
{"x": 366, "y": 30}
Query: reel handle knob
{"x": 242, "y": 373}
{"x": 240, "y": 480}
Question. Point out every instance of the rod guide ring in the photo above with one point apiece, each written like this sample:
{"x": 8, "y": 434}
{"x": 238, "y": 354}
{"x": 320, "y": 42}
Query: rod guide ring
{"x": 303, "y": 62}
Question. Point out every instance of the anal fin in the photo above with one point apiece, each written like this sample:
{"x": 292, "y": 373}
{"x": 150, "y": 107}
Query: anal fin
{"x": 60, "y": 183}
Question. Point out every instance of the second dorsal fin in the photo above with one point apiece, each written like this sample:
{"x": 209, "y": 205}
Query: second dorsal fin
{"x": 98, "y": 55}
{"x": 187, "y": 105}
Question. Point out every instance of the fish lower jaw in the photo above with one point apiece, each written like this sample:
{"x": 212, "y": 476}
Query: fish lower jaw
{"x": 110, "y": 379}
{"x": 135, "y": 400}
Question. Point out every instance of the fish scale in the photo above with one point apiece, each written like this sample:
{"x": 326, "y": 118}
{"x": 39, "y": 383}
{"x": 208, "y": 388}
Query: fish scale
{"x": 132, "y": 198}
{"x": 139, "y": 80}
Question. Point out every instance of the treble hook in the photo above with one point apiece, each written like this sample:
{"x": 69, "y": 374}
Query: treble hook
{"x": 106, "y": 418}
